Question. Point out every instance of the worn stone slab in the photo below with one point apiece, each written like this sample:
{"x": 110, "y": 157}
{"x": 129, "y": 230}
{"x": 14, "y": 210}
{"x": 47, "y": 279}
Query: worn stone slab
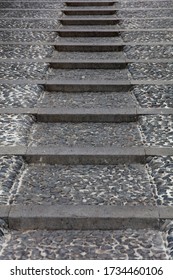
{"x": 165, "y": 212}
{"x": 82, "y": 217}
{"x": 98, "y": 11}
{"x": 158, "y": 151}
{"x": 87, "y": 155}
{"x": 4, "y": 212}
{"x": 89, "y": 3}
{"x": 13, "y": 150}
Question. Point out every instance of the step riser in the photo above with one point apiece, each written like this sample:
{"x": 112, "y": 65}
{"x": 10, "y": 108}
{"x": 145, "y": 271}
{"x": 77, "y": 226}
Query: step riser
{"x": 88, "y": 65}
{"x": 89, "y": 4}
{"x": 89, "y": 22}
{"x": 89, "y": 12}
{"x": 86, "y": 118}
{"x": 89, "y": 48}
{"x": 88, "y": 33}
{"x": 85, "y": 159}
{"x": 88, "y": 88}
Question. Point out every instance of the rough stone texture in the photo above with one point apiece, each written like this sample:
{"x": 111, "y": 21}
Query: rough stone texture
{"x": 146, "y": 23}
{"x": 27, "y": 36}
{"x": 127, "y": 244}
{"x": 160, "y": 170}
{"x": 20, "y": 96}
{"x": 9, "y": 169}
{"x": 19, "y": 51}
{"x": 155, "y": 96}
{"x": 14, "y": 129}
{"x": 35, "y": 5}
{"x": 144, "y": 13}
{"x": 85, "y": 184}
{"x": 157, "y": 130}
{"x": 30, "y": 23}
{"x": 23, "y": 70}
{"x": 151, "y": 71}
{"x": 88, "y": 100}
{"x": 149, "y": 52}
{"x": 31, "y": 14}
{"x": 85, "y": 134}
{"x": 144, "y": 4}
{"x": 146, "y": 36}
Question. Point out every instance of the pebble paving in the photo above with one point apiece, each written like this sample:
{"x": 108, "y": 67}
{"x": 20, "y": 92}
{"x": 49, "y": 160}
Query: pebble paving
{"x": 91, "y": 185}
{"x": 20, "y": 96}
{"x": 153, "y": 96}
{"x": 30, "y": 14}
{"x": 17, "y": 23}
{"x": 160, "y": 169}
{"x": 83, "y": 134}
{"x": 146, "y": 36}
{"x": 27, "y": 36}
{"x": 149, "y": 24}
{"x": 144, "y": 4}
{"x": 17, "y": 70}
{"x": 31, "y": 51}
{"x": 120, "y": 244}
{"x": 9, "y": 168}
{"x": 144, "y": 13}
{"x": 14, "y": 129}
{"x": 149, "y": 52}
{"x": 35, "y": 5}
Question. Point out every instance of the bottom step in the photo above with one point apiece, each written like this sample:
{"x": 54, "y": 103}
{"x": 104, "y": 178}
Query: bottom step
{"x": 80, "y": 245}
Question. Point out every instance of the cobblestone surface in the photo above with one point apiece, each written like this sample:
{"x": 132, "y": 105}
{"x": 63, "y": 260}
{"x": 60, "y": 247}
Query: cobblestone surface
{"x": 23, "y": 70}
{"x": 146, "y": 36}
{"x": 154, "y": 96}
{"x": 149, "y": 52}
{"x": 27, "y": 36}
{"x": 91, "y": 134}
{"x": 32, "y": 5}
{"x": 120, "y": 244}
{"x": 20, "y": 96}
{"x": 9, "y": 168}
{"x": 88, "y": 100}
{"x": 151, "y": 71}
{"x": 14, "y": 129}
{"x": 148, "y": 24}
{"x": 17, "y": 23}
{"x": 157, "y": 130}
{"x": 30, "y": 14}
{"x": 144, "y": 4}
{"x": 160, "y": 169}
{"x": 92, "y": 185}
{"x": 145, "y": 13}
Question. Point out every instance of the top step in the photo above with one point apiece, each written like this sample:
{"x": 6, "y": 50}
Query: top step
{"x": 89, "y": 3}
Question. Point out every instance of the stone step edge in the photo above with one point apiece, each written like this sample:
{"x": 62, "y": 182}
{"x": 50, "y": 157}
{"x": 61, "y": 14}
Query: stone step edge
{"x": 90, "y": 3}
{"x": 101, "y": 63}
{"x": 52, "y": 85}
{"x": 85, "y": 155}
{"x": 83, "y": 19}
{"x": 84, "y": 217}
{"x": 68, "y": 9}
{"x": 60, "y": 46}
{"x": 61, "y": 114}
{"x": 86, "y": 32}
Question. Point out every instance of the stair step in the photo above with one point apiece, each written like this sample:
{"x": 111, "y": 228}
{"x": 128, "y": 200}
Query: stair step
{"x": 89, "y": 56}
{"x": 90, "y": 21}
{"x": 76, "y": 12}
{"x": 88, "y": 33}
{"x": 131, "y": 244}
{"x": 89, "y": 3}
{"x": 95, "y": 47}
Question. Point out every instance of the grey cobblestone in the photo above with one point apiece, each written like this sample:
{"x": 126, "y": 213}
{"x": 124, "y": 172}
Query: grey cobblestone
{"x": 91, "y": 185}
{"x": 30, "y": 14}
{"x": 9, "y": 169}
{"x": 144, "y": 23}
{"x": 32, "y": 5}
{"x": 20, "y": 96}
{"x": 144, "y": 4}
{"x": 14, "y": 129}
{"x": 144, "y": 36}
{"x": 17, "y": 23}
{"x": 154, "y": 96}
{"x": 27, "y": 36}
{"x": 125, "y": 244}
{"x": 145, "y": 13}
{"x": 149, "y": 52}
{"x": 91, "y": 134}
{"x": 19, "y": 51}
